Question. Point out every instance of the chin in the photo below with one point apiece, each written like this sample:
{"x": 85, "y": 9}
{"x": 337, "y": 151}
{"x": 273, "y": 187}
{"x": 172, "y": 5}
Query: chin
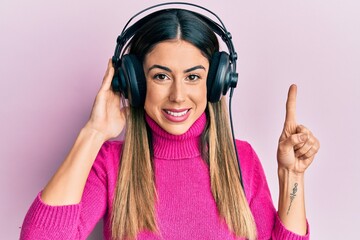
{"x": 176, "y": 130}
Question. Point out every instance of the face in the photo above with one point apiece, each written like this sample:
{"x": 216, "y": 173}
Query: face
{"x": 176, "y": 73}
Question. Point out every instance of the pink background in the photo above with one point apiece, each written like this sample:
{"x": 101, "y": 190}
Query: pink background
{"x": 53, "y": 55}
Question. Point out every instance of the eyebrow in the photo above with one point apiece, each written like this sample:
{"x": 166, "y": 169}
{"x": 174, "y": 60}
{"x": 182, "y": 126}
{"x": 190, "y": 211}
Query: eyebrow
{"x": 169, "y": 70}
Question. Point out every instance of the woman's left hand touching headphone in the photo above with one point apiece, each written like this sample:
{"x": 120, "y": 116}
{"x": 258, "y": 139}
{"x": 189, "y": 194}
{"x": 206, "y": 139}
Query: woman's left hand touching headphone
{"x": 297, "y": 144}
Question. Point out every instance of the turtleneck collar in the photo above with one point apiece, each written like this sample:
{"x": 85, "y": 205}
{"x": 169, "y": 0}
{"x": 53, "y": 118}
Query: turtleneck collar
{"x": 176, "y": 147}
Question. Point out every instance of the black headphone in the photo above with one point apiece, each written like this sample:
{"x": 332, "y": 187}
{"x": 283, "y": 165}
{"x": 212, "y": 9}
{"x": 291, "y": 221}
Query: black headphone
{"x": 129, "y": 78}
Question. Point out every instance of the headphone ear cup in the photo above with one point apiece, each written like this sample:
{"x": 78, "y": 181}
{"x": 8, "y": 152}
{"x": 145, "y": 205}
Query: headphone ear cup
{"x": 132, "y": 80}
{"x": 115, "y": 83}
{"x": 218, "y": 75}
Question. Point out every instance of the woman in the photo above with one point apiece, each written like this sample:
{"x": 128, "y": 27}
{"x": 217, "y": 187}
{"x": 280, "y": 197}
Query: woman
{"x": 175, "y": 176}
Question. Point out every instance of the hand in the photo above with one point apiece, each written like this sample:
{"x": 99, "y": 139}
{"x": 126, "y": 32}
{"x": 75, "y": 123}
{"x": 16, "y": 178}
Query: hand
{"x": 107, "y": 117}
{"x": 297, "y": 145}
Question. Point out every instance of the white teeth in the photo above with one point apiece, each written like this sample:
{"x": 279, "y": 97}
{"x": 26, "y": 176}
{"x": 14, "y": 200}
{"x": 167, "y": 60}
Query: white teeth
{"x": 176, "y": 114}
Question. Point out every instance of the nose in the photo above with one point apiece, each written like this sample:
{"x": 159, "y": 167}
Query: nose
{"x": 177, "y": 92}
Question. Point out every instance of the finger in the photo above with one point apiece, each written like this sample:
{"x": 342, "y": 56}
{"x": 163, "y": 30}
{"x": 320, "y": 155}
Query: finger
{"x": 312, "y": 150}
{"x": 301, "y": 129}
{"x": 106, "y": 84}
{"x": 304, "y": 149}
{"x": 298, "y": 146}
{"x": 311, "y": 146}
{"x": 293, "y": 140}
{"x": 309, "y": 154}
{"x": 291, "y": 105}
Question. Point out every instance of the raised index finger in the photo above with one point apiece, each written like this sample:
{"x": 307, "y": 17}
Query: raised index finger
{"x": 291, "y": 105}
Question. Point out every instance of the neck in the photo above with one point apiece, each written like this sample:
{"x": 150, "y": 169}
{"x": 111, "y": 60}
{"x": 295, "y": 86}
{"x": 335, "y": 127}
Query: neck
{"x": 177, "y": 147}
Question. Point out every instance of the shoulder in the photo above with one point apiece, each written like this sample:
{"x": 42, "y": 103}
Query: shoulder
{"x": 244, "y": 147}
{"x": 251, "y": 168}
{"x": 111, "y": 149}
{"x": 108, "y": 156}
{"x": 248, "y": 158}
{"x": 247, "y": 154}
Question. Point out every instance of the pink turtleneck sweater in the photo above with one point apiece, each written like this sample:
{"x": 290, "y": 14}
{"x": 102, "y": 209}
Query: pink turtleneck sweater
{"x": 185, "y": 208}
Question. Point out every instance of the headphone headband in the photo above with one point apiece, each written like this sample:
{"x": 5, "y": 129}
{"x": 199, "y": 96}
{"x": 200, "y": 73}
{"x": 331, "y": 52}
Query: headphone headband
{"x": 175, "y": 3}
{"x": 220, "y": 29}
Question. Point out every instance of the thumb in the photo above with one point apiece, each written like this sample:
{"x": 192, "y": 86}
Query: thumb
{"x": 294, "y": 139}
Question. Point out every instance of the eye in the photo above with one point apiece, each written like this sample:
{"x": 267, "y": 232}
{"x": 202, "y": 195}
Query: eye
{"x": 193, "y": 77}
{"x": 160, "y": 76}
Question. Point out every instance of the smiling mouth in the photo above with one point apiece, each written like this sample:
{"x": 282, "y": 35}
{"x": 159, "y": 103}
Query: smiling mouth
{"x": 176, "y": 113}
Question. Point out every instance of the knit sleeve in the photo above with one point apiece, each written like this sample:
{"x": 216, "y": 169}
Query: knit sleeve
{"x": 268, "y": 223}
{"x": 75, "y": 221}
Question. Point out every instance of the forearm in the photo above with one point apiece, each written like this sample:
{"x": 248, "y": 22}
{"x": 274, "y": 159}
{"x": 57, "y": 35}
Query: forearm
{"x": 291, "y": 208}
{"x": 67, "y": 185}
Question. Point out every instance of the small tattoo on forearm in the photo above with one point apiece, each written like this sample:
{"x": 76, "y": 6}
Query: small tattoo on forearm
{"x": 292, "y": 196}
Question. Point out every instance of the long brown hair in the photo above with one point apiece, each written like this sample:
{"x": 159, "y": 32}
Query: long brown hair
{"x": 224, "y": 173}
{"x": 135, "y": 196}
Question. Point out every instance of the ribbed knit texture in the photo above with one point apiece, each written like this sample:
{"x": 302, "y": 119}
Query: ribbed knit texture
{"x": 171, "y": 147}
{"x": 185, "y": 206}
